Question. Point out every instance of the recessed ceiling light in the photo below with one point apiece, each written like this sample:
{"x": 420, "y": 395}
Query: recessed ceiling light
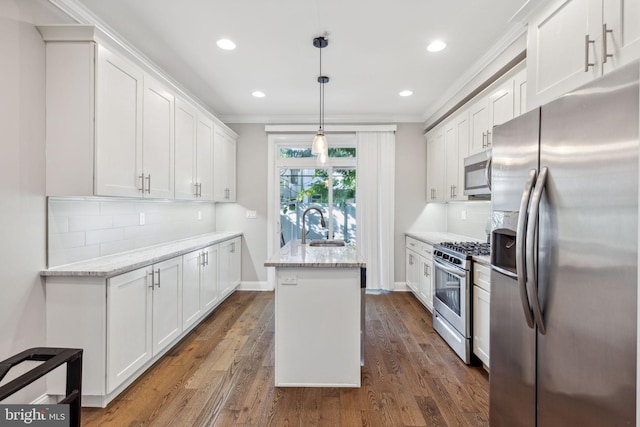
{"x": 406, "y": 93}
{"x": 258, "y": 94}
{"x": 226, "y": 44}
{"x": 436, "y": 46}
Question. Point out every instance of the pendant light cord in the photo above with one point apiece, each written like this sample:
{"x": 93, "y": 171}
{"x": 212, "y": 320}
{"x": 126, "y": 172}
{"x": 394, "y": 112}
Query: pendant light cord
{"x": 321, "y": 121}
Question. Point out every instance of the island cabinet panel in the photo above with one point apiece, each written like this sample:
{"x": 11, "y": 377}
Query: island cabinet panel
{"x": 318, "y": 327}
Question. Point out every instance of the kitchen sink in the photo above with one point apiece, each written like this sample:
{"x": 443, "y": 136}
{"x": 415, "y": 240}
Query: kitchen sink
{"x": 327, "y": 243}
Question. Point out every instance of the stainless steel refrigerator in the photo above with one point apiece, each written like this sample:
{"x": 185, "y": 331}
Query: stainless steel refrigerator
{"x": 565, "y": 260}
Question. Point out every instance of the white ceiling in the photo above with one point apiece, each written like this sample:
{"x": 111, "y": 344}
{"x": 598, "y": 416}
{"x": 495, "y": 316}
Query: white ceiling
{"x": 376, "y": 49}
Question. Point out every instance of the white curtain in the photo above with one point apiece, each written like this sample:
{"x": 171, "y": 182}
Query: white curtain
{"x": 375, "y": 205}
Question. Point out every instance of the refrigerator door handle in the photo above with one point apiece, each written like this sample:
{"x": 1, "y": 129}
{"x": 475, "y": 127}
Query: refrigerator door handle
{"x": 532, "y": 278}
{"x": 521, "y": 249}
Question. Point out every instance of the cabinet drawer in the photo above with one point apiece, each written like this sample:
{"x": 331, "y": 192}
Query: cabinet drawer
{"x": 482, "y": 276}
{"x": 413, "y": 244}
{"x": 426, "y": 250}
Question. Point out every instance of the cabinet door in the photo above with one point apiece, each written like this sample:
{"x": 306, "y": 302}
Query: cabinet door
{"x": 622, "y": 17}
{"x": 462, "y": 136}
{"x": 478, "y": 125}
{"x": 224, "y": 169}
{"x": 167, "y": 303}
{"x": 210, "y": 277}
{"x": 426, "y": 281}
{"x": 185, "y": 151}
{"x": 129, "y": 325}
{"x": 205, "y": 159}
{"x": 118, "y": 126}
{"x": 229, "y": 266}
{"x": 411, "y": 268}
{"x": 435, "y": 166}
{"x": 451, "y": 160}
{"x": 520, "y": 93}
{"x": 501, "y": 107}
{"x": 191, "y": 292}
{"x": 158, "y": 140}
{"x": 561, "y": 42}
{"x": 235, "y": 268}
{"x": 481, "y": 326}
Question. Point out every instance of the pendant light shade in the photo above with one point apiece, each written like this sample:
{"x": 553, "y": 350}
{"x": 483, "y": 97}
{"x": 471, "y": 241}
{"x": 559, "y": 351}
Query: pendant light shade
{"x": 320, "y": 146}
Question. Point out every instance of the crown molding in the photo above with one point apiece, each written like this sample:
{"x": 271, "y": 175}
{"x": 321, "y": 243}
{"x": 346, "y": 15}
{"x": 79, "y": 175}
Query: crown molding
{"x": 516, "y": 31}
{"x": 306, "y": 119}
{"x": 329, "y": 128}
{"x": 112, "y": 38}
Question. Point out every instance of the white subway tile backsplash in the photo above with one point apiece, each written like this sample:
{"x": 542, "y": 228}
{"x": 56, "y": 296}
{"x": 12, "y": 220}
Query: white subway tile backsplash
{"x": 85, "y": 223}
{"x": 80, "y": 229}
{"x": 117, "y": 208}
{"x": 104, "y": 236}
{"x": 111, "y": 248}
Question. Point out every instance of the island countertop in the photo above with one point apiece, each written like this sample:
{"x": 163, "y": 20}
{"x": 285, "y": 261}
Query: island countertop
{"x": 294, "y": 254}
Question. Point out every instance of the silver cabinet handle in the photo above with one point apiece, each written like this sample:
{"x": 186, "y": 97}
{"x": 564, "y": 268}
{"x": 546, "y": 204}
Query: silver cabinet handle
{"x": 233, "y": 247}
{"x": 148, "y": 184}
{"x": 455, "y": 191}
{"x": 158, "y": 278}
{"x": 484, "y": 144}
{"x": 605, "y": 54}
{"x": 532, "y": 268}
{"x": 488, "y": 139}
{"x": 587, "y": 64}
{"x": 141, "y": 183}
{"x": 206, "y": 255}
{"x": 521, "y": 249}
{"x": 153, "y": 279}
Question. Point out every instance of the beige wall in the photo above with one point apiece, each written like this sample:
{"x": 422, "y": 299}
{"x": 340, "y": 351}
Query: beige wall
{"x": 252, "y": 182}
{"x": 22, "y": 177}
{"x": 411, "y": 211}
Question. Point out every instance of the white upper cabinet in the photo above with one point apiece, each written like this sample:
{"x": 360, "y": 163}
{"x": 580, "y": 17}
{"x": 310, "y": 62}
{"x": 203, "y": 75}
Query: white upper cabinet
{"x": 186, "y": 118}
{"x": 224, "y": 167}
{"x": 118, "y": 126}
{"x": 193, "y": 154}
{"x": 435, "y": 165}
{"x": 111, "y": 129}
{"x": 574, "y": 41}
{"x": 491, "y": 109}
{"x": 204, "y": 159}
{"x": 157, "y": 141}
{"x": 520, "y": 93}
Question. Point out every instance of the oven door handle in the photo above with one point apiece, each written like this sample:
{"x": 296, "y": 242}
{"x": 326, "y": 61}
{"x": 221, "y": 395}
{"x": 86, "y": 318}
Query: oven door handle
{"x": 458, "y": 272}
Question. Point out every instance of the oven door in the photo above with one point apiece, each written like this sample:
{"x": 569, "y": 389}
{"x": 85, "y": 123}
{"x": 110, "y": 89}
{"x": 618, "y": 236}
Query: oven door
{"x": 451, "y": 296}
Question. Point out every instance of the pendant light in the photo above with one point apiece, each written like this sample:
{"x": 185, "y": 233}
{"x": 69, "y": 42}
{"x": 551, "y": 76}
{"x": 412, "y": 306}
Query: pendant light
{"x": 320, "y": 146}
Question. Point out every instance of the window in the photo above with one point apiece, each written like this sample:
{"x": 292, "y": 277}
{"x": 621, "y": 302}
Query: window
{"x": 330, "y": 188}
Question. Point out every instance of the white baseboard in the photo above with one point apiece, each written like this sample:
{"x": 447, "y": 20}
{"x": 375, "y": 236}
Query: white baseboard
{"x": 45, "y": 399}
{"x": 254, "y": 286}
{"x": 401, "y": 287}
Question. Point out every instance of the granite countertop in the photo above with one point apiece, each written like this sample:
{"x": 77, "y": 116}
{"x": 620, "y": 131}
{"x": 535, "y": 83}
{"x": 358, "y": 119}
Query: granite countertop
{"x": 294, "y": 254}
{"x": 435, "y": 237}
{"x": 113, "y": 265}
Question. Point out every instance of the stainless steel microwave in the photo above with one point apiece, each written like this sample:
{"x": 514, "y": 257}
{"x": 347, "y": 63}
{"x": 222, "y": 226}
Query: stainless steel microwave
{"x": 477, "y": 174}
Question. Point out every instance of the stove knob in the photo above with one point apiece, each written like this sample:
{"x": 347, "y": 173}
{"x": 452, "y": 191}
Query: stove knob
{"x": 455, "y": 260}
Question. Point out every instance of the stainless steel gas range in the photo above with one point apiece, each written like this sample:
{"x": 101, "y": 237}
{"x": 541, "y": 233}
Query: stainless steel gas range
{"x": 452, "y": 298}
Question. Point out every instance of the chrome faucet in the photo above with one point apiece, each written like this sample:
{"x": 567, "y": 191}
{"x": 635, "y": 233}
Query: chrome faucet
{"x": 322, "y": 222}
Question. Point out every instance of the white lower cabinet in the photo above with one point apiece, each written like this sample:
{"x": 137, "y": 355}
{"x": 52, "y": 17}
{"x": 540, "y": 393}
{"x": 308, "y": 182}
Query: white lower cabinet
{"x": 230, "y": 256}
{"x": 481, "y": 312}
{"x": 144, "y": 315}
{"x": 200, "y": 284}
{"x": 419, "y": 270}
{"x": 127, "y": 322}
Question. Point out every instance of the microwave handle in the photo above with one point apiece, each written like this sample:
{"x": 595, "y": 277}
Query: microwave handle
{"x": 487, "y": 171}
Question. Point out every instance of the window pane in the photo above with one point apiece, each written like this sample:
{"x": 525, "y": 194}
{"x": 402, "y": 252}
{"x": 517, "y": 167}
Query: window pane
{"x": 342, "y": 152}
{"x": 299, "y": 153}
{"x": 344, "y": 205}
{"x": 299, "y": 190}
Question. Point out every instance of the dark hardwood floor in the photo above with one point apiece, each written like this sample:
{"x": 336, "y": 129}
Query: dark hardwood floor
{"x": 222, "y": 375}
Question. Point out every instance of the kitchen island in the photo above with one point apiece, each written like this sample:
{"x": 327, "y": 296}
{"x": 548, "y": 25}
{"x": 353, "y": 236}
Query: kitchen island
{"x": 319, "y": 315}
